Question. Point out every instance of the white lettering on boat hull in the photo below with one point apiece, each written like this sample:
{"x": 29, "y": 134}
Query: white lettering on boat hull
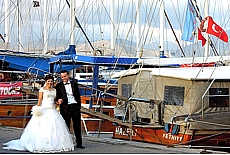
{"x": 169, "y": 136}
{"x": 125, "y": 131}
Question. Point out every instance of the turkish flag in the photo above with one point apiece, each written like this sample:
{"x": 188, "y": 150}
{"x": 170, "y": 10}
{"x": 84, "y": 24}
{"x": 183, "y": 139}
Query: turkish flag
{"x": 200, "y": 37}
{"x": 216, "y": 30}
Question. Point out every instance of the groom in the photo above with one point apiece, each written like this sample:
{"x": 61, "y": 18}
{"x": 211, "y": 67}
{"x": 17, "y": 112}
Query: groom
{"x": 68, "y": 97}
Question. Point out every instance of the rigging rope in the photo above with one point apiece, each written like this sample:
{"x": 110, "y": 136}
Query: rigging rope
{"x": 200, "y": 18}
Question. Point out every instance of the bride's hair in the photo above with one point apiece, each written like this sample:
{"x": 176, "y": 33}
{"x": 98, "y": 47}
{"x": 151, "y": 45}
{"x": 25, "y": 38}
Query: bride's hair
{"x": 47, "y": 77}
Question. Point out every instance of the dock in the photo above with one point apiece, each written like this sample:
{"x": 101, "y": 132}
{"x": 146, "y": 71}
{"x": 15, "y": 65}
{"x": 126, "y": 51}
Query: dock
{"x": 104, "y": 145}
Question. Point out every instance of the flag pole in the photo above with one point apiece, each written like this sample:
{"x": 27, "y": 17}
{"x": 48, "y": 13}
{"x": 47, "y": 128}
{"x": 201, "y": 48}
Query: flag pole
{"x": 206, "y": 49}
{"x": 200, "y": 18}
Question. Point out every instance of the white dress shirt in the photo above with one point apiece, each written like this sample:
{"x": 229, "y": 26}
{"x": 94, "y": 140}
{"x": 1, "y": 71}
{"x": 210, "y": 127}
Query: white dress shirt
{"x": 69, "y": 93}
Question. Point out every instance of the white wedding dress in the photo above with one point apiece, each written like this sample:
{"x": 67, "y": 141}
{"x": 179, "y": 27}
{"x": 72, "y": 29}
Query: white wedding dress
{"x": 46, "y": 133}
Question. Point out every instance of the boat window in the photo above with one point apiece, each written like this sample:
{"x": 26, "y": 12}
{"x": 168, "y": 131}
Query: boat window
{"x": 174, "y": 95}
{"x": 126, "y": 90}
{"x": 218, "y": 97}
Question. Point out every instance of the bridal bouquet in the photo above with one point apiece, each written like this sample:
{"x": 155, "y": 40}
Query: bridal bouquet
{"x": 37, "y": 111}
{"x": 58, "y": 108}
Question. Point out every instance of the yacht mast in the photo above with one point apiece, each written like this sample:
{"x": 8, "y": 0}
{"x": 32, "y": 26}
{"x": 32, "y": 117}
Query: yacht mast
{"x": 161, "y": 46}
{"x": 20, "y": 49}
{"x": 138, "y": 5}
{"x": 45, "y": 40}
{"x": 72, "y": 21}
{"x": 7, "y": 24}
{"x": 112, "y": 27}
{"x": 206, "y": 12}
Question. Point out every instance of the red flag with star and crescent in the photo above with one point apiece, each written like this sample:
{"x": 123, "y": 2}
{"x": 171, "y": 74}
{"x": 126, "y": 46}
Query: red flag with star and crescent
{"x": 200, "y": 37}
{"x": 216, "y": 30}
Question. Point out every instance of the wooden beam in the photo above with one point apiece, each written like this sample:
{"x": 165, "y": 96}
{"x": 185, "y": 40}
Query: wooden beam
{"x": 103, "y": 116}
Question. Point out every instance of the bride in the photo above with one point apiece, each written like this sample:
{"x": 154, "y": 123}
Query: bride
{"x": 46, "y": 131}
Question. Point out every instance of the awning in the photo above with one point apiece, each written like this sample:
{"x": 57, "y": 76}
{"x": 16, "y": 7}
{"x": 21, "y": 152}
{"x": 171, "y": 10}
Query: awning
{"x": 94, "y": 60}
{"x": 22, "y": 62}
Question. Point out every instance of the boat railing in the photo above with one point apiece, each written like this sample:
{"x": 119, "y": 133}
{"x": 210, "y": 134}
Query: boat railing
{"x": 37, "y": 69}
{"x": 19, "y": 101}
{"x": 204, "y": 96}
{"x": 216, "y": 95}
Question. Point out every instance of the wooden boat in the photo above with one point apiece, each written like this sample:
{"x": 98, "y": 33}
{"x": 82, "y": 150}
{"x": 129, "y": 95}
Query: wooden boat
{"x": 17, "y": 96}
{"x": 159, "y": 125}
{"x": 97, "y": 102}
{"x": 19, "y": 99}
{"x": 16, "y": 113}
{"x": 95, "y": 125}
{"x": 177, "y": 106}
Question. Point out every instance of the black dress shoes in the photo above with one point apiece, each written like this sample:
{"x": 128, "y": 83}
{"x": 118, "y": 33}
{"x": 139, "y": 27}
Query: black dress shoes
{"x": 80, "y": 146}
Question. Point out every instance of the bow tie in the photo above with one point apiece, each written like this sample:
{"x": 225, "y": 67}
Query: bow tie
{"x": 66, "y": 83}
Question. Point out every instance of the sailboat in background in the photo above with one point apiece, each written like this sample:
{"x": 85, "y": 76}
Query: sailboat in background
{"x": 170, "y": 106}
{"x": 22, "y": 66}
{"x": 65, "y": 56}
{"x": 114, "y": 34}
{"x": 177, "y": 106}
{"x": 191, "y": 31}
{"x": 21, "y": 70}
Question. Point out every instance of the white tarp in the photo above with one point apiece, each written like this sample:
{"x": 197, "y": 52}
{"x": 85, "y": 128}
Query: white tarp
{"x": 152, "y": 84}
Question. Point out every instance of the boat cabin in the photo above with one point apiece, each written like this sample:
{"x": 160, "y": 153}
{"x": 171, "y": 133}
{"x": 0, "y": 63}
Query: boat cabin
{"x": 198, "y": 94}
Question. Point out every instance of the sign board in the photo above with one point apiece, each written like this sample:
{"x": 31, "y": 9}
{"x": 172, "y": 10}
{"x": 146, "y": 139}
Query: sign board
{"x": 7, "y": 92}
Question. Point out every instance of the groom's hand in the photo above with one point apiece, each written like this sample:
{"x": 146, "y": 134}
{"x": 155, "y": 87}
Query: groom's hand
{"x": 60, "y": 101}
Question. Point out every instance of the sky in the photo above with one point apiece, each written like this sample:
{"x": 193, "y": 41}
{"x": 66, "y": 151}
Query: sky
{"x": 94, "y": 18}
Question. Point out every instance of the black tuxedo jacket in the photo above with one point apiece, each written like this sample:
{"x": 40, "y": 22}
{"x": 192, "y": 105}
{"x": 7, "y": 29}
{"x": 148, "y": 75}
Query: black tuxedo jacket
{"x": 61, "y": 94}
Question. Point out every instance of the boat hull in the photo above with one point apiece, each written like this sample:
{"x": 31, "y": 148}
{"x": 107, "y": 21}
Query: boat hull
{"x": 158, "y": 135}
{"x": 94, "y": 125}
{"x": 15, "y": 115}
{"x": 18, "y": 115}
{"x": 211, "y": 138}
{"x": 153, "y": 134}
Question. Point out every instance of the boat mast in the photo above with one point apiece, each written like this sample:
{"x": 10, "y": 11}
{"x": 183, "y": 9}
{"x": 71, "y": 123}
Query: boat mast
{"x": 138, "y": 5}
{"x": 72, "y": 33}
{"x": 206, "y": 12}
{"x": 112, "y": 27}
{"x": 72, "y": 46}
{"x": 45, "y": 40}
{"x": 161, "y": 46}
{"x": 7, "y": 24}
{"x": 72, "y": 21}
{"x": 20, "y": 49}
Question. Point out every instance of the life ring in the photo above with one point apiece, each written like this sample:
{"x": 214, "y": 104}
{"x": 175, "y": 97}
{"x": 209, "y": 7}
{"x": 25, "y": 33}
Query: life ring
{"x": 2, "y": 76}
{"x": 202, "y": 24}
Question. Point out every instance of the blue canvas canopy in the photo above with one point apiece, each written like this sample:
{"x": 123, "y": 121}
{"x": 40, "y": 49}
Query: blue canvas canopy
{"x": 23, "y": 61}
{"x": 34, "y": 63}
{"x": 69, "y": 56}
{"x": 94, "y": 60}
